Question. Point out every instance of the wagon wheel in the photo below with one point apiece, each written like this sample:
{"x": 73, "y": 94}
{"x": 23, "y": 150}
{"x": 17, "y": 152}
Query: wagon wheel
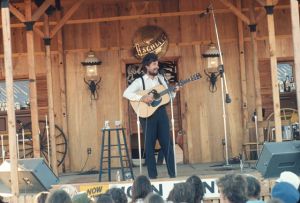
{"x": 287, "y": 115}
{"x": 61, "y": 142}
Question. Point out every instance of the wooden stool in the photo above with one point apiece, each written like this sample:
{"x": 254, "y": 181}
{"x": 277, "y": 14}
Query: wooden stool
{"x": 107, "y": 147}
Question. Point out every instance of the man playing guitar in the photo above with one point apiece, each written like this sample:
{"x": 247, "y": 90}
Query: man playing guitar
{"x": 156, "y": 126}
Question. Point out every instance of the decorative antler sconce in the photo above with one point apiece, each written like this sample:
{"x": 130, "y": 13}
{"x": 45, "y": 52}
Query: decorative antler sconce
{"x": 91, "y": 77}
{"x": 212, "y": 71}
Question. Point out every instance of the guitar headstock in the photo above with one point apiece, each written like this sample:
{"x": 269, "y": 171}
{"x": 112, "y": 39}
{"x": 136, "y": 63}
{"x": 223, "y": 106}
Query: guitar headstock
{"x": 194, "y": 77}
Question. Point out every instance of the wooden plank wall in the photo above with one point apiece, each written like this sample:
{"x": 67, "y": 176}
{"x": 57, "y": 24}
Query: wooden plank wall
{"x": 201, "y": 110}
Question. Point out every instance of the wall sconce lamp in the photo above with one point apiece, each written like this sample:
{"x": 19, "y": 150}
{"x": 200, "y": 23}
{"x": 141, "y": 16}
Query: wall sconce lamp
{"x": 212, "y": 70}
{"x": 91, "y": 77}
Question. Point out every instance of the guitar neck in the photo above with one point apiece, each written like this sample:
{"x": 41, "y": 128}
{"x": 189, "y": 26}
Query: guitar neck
{"x": 167, "y": 91}
{"x": 172, "y": 88}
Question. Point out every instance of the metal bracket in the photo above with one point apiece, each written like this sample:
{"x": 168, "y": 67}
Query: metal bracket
{"x": 4, "y": 3}
{"x": 29, "y": 25}
{"x": 47, "y": 41}
{"x": 269, "y": 9}
{"x": 252, "y": 27}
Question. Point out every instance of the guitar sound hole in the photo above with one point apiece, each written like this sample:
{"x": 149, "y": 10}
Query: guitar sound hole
{"x": 155, "y": 95}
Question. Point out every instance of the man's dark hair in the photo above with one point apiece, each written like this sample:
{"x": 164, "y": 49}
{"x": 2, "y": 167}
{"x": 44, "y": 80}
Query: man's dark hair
{"x": 148, "y": 59}
{"x": 253, "y": 189}
{"x": 196, "y": 182}
{"x": 233, "y": 187}
{"x": 182, "y": 192}
{"x": 118, "y": 195}
{"x": 141, "y": 187}
{"x": 58, "y": 196}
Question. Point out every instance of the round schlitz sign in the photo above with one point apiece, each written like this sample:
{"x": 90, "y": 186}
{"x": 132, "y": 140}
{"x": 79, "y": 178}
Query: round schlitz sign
{"x": 150, "y": 39}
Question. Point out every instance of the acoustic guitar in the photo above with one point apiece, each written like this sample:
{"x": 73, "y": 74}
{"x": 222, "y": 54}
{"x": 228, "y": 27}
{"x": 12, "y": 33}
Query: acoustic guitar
{"x": 161, "y": 97}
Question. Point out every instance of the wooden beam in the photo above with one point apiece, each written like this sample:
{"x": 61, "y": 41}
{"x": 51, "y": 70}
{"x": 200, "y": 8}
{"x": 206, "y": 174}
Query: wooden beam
{"x": 16, "y": 13}
{"x": 144, "y": 16}
{"x": 296, "y": 45}
{"x": 236, "y": 11}
{"x": 261, "y": 2}
{"x": 243, "y": 76}
{"x": 63, "y": 95}
{"x": 11, "y": 119}
{"x": 38, "y": 32}
{"x": 134, "y": 17}
{"x": 273, "y": 60}
{"x": 53, "y": 159}
{"x": 32, "y": 84}
{"x": 66, "y": 17}
{"x": 257, "y": 86}
{"x": 41, "y": 10}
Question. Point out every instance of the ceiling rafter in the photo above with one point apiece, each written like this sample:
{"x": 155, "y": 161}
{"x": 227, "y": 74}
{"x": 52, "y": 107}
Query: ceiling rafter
{"x": 41, "y": 10}
{"x": 66, "y": 17}
{"x": 236, "y": 11}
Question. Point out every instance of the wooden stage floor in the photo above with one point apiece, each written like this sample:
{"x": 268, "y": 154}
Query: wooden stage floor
{"x": 205, "y": 170}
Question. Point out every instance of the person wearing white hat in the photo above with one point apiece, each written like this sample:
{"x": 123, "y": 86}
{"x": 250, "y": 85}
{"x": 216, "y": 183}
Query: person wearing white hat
{"x": 289, "y": 177}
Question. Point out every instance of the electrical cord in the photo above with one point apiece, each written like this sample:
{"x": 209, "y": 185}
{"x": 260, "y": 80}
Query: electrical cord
{"x": 84, "y": 165}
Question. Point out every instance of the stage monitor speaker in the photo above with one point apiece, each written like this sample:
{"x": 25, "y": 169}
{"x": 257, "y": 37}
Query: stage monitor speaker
{"x": 277, "y": 157}
{"x": 34, "y": 175}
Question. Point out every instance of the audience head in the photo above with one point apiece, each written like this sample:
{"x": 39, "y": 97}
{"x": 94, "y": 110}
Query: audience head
{"x": 118, "y": 195}
{"x": 58, "y": 196}
{"x": 289, "y": 177}
{"x": 153, "y": 198}
{"x": 233, "y": 188}
{"x": 182, "y": 192}
{"x": 81, "y": 197}
{"x": 286, "y": 192}
{"x": 196, "y": 182}
{"x": 40, "y": 197}
{"x": 104, "y": 198}
{"x": 141, "y": 187}
{"x": 253, "y": 189}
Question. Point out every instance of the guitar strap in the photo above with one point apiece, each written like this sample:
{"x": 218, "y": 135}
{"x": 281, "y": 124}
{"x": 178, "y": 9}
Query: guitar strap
{"x": 143, "y": 82}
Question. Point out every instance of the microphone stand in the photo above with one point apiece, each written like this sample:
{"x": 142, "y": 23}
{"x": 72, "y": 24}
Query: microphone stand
{"x": 173, "y": 124}
{"x": 223, "y": 85}
{"x": 256, "y": 134}
{"x": 139, "y": 136}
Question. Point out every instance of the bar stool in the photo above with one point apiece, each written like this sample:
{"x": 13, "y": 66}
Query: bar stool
{"x": 124, "y": 158}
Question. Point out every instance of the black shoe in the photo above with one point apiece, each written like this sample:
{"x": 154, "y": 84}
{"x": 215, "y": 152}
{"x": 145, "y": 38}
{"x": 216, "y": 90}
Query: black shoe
{"x": 173, "y": 176}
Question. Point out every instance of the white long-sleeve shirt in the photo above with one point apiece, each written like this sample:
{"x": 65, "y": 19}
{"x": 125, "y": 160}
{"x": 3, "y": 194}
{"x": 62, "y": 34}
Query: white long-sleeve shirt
{"x": 137, "y": 85}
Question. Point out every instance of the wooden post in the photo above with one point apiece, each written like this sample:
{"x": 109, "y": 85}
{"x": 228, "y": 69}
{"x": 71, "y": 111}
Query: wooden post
{"x": 243, "y": 75}
{"x": 258, "y": 100}
{"x": 273, "y": 59}
{"x": 63, "y": 96}
{"x": 47, "y": 42}
{"x": 11, "y": 119}
{"x": 32, "y": 81}
{"x": 296, "y": 45}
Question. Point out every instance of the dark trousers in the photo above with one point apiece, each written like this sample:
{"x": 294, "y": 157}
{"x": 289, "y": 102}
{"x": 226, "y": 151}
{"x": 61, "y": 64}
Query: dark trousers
{"x": 157, "y": 127}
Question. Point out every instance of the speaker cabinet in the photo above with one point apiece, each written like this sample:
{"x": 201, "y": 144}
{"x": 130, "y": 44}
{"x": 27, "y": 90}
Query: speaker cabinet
{"x": 34, "y": 175}
{"x": 278, "y": 157}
